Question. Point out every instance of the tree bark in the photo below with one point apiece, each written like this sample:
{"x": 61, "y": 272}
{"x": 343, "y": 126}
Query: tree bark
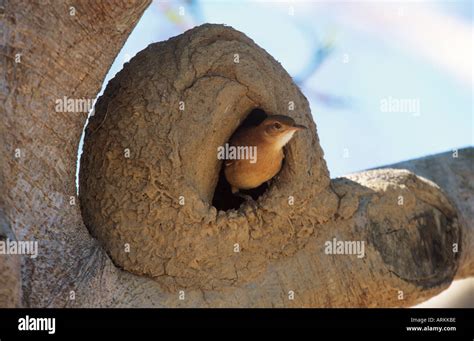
{"x": 52, "y": 49}
{"x": 64, "y": 55}
{"x": 453, "y": 172}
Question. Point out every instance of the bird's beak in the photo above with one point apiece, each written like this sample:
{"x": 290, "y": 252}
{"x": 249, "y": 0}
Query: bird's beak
{"x": 299, "y": 127}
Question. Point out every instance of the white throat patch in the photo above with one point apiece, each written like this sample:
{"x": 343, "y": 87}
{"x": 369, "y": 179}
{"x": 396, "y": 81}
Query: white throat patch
{"x": 284, "y": 139}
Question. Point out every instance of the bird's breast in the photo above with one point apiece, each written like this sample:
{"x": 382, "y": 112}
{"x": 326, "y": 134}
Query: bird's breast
{"x": 245, "y": 174}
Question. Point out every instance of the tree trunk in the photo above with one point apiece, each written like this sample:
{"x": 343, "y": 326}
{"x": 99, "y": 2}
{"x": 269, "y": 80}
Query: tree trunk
{"x": 409, "y": 248}
{"x": 51, "y": 50}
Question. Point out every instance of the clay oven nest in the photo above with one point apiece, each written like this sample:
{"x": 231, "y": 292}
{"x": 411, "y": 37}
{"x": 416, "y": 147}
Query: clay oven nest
{"x": 149, "y": 167}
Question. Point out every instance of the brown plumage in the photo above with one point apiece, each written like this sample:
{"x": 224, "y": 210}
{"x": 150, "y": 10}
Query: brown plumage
{"x": 269, "y": 138}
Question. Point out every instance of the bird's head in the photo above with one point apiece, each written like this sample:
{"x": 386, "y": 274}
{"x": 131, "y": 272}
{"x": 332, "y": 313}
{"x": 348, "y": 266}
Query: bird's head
{"x": 279, "y": 129}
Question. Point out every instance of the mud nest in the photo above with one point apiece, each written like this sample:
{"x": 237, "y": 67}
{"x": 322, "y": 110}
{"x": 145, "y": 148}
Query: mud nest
{"x": 149, "y": 173}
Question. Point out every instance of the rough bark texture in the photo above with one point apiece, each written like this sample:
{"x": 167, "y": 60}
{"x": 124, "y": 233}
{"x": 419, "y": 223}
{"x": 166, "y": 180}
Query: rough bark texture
{"x": 47, "y": 54}
{"x": 454, "y": 173}
{"x": 408, "y": 247}
{"x": 10, "y": 266}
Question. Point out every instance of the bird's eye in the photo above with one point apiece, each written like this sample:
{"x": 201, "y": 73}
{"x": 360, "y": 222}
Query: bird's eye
{"x": 277, "y": 125}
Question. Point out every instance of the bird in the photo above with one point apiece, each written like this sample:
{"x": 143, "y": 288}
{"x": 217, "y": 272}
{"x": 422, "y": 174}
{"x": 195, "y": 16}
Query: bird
{"x": 268, "y": 139}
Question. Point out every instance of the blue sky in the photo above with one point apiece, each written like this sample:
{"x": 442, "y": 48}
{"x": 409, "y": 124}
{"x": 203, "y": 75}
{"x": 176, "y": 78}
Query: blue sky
{"x": 367, "y": 64}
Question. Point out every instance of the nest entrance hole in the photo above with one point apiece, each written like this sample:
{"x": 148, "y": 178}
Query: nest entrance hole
{"x": 223, "y": 198}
